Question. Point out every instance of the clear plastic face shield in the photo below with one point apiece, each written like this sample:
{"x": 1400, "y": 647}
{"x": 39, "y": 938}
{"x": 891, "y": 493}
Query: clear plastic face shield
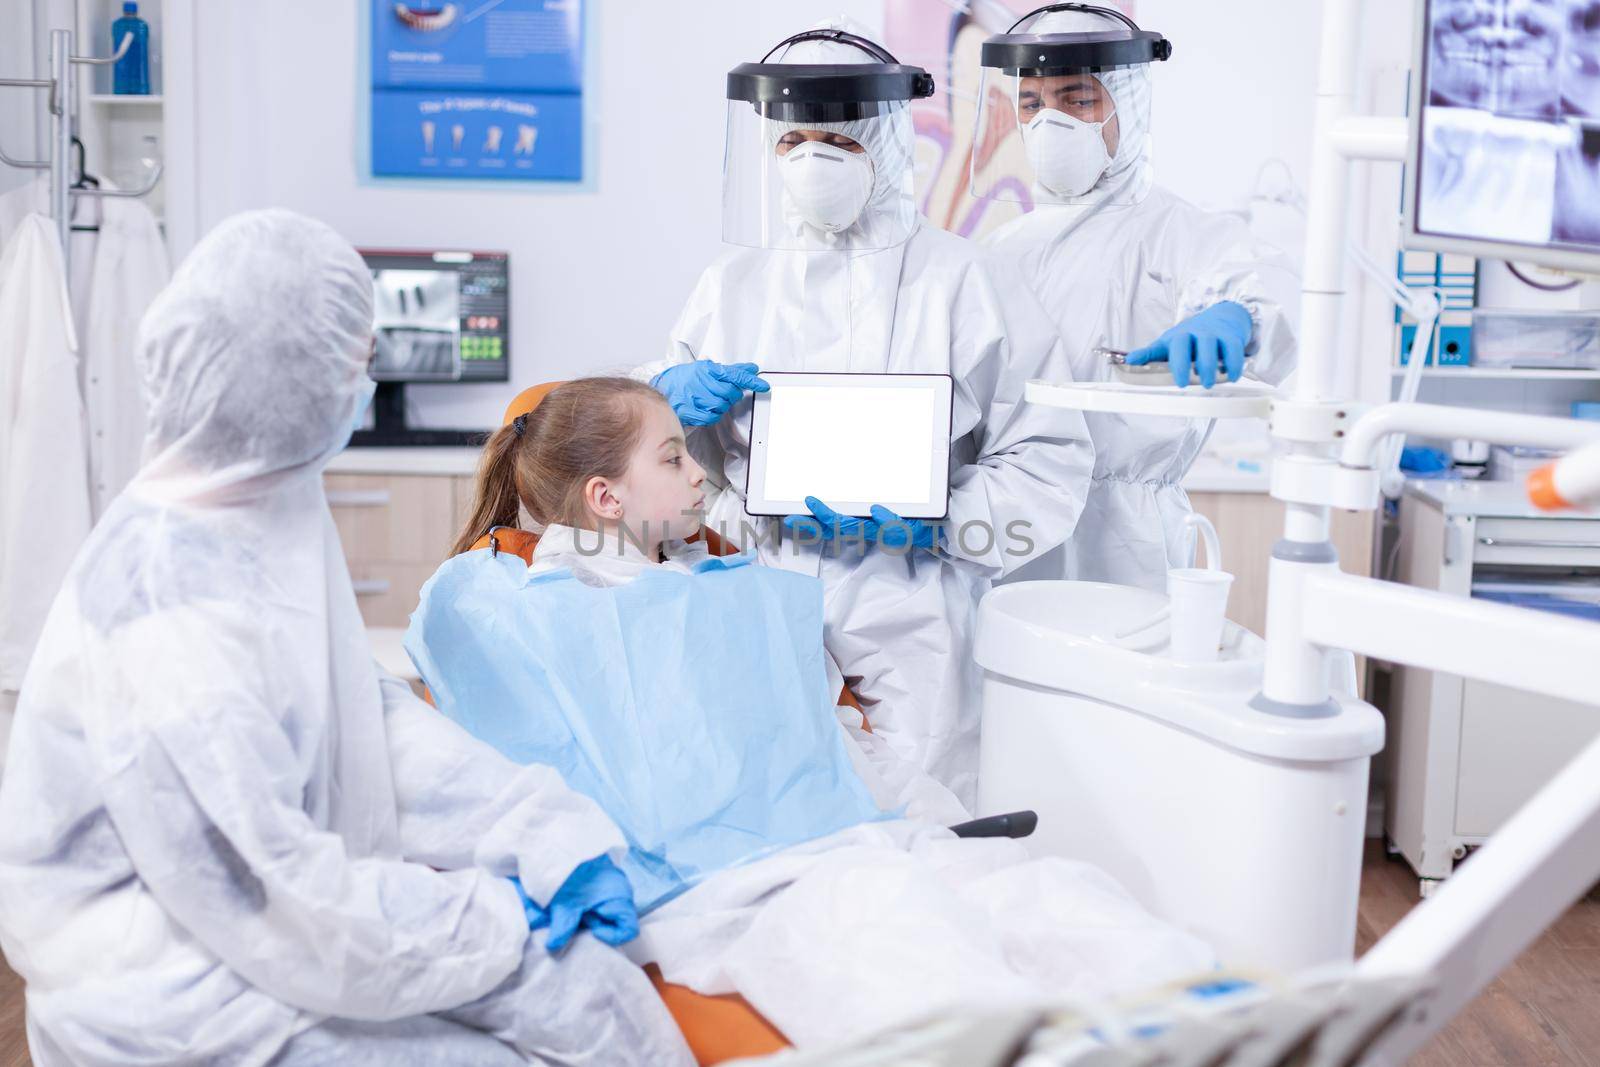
{"x": 1064, "y": 108}
{"x": 819, "y": 156}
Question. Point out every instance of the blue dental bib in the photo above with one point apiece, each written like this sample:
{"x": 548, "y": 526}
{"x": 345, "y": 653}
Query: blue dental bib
{"x": 693, "y": 708}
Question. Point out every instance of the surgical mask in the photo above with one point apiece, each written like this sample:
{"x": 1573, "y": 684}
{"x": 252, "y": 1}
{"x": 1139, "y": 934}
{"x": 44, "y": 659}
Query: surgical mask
{"x": 363, "y": 400}
{"x": 1067, "y": 155}
{"x": 828, "y": 186}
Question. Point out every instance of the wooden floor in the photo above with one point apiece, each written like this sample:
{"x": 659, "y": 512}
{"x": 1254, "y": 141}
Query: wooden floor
{"x": 13, "y": 1041}
{"x": 1543, "y": 1012}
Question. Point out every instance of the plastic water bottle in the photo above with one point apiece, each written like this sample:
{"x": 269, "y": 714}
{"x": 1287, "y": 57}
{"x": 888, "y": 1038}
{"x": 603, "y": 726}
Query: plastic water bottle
{"x": 132, "y": 74}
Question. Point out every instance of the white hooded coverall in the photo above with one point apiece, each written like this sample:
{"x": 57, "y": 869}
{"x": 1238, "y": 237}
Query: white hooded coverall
{"x": 1114, "y": 271}
{"x": 899, "y": 625}
{"x": 223, "y": 839}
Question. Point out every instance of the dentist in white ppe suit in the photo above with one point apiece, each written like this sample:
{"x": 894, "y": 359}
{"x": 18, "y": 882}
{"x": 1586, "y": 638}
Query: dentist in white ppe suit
{"x": 839, "y": 273}
{"x": 1122, "y": 264}
{"x": 224, "y": 839}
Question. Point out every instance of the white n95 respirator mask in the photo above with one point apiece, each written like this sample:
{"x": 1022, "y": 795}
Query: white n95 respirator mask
{"x": 828, "y": 186}
{"x": 1068, "y": 155}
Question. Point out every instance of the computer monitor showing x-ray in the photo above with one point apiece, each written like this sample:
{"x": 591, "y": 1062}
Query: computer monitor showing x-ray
{"x": 1505, "y": 131}
{"x": 438, "y": 316}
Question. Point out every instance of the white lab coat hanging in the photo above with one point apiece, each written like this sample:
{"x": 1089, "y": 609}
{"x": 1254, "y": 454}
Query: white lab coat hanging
{"x": 130, "y": 268}
{"x": 117, "y": 270}
{"x": 44, "y": 494}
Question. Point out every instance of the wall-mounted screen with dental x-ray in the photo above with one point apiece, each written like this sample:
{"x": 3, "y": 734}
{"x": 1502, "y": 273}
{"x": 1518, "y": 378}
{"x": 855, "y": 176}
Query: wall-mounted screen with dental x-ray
{"x": 1508, "y": 127}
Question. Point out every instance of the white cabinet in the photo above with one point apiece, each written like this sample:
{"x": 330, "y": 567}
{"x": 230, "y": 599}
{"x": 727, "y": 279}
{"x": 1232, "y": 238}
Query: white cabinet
{"x": 1499, "y": 727}
{"x": 1464, "y": 755}
{"x": 397, "y": 526}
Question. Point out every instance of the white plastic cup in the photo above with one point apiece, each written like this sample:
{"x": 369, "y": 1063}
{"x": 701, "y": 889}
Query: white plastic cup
{"x": 1198, "y": 530}
{"x": 1199, "y": 598}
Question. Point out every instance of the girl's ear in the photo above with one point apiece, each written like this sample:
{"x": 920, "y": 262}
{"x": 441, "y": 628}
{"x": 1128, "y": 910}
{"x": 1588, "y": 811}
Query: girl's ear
{"x": 600, "y": 500}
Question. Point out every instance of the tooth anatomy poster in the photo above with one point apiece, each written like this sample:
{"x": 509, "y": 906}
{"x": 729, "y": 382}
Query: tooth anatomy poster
{"x": 478, "y": 89}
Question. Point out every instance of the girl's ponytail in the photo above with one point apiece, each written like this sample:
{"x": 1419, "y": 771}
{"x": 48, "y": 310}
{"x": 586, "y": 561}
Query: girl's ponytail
{"x": 495, "y": 497}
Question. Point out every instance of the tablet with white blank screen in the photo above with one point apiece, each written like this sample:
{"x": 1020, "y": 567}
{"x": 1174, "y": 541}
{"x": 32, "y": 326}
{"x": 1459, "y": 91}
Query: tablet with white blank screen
{"x": 851, "y": 441}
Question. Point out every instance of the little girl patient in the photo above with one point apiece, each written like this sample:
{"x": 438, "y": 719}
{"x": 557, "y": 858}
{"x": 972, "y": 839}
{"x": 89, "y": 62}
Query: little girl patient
{"x": 774, "y": 850}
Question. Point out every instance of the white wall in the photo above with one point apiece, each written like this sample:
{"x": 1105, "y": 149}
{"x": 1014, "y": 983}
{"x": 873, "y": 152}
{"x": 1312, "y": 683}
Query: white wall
{"x": 598, "y": 276}
{"x": 1239, "y": 91}
{"x": 1236, "y": 92}
{"x": 18, "y": 107}
{"x": 1238, "y": 88}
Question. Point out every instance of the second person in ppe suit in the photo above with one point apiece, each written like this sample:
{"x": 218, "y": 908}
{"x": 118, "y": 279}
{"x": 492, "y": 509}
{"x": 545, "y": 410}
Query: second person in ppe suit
{"x": 841, "y": 274}
{"x": 224, "y": 839}
{"x": 1121, "y": 264}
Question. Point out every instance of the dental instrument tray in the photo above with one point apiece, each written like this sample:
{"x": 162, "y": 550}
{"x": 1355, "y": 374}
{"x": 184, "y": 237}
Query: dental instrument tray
{"x": 1225, "y": 400}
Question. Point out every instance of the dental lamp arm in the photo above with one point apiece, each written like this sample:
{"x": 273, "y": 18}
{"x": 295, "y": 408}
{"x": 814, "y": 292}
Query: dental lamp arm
{"x": 1573, "y": 481}
{"x": 1437, "y": 420}
{"x": 1424, "y": 306}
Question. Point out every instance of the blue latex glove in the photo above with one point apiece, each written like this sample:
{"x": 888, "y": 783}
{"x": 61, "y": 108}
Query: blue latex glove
{"x": 702, "y": 392}
{"x": 1215, "y": 337}
{"x": 885, "y": 527}
{"x": 595, "y": 897}
{"x": 1414, "y": 459}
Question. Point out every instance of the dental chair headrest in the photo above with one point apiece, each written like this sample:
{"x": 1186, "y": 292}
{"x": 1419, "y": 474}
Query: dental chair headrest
{"x": 527, "y": 400}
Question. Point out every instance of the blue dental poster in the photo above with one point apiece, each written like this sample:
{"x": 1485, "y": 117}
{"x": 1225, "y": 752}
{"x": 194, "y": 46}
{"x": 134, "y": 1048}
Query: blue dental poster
{"x": 478, "y": 89}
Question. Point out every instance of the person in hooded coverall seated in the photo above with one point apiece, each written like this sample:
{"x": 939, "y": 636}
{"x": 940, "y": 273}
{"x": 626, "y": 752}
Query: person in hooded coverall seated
{"x": 224, "y": 837}
{"x": 834, "y": 270}
{"x": 1121, "y": 264}
{"x": 688, "y": 694}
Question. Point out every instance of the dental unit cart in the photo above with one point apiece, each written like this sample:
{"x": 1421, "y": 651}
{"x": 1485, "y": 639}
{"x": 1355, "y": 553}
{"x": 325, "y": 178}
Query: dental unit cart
{"x": 1463, "y": 754}
{"x": 1241, "y": 826}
